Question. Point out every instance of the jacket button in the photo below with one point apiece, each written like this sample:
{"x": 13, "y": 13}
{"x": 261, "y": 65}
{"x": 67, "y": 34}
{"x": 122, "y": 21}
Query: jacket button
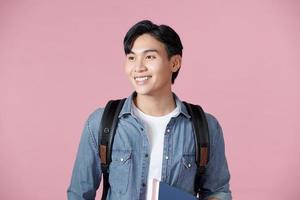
{"x": 144, "y": 184}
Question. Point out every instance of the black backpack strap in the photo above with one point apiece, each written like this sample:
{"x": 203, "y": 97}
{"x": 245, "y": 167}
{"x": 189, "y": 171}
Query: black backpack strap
{"x": 202, "y": 140}
{"x": 107, "y": 129}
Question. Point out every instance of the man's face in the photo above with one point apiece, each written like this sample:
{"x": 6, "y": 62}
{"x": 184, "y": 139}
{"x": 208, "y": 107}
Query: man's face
{"x": 148, "y": 67}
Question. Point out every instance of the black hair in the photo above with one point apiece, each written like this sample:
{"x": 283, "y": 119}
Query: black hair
{"x": 162, "y": 33}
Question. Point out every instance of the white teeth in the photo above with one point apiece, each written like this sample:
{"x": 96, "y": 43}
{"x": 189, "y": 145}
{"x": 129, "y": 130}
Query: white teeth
{"x": 142, "y": 78}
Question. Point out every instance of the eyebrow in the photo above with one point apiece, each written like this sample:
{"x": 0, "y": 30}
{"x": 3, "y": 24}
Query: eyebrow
{"x": 146, "y": 51}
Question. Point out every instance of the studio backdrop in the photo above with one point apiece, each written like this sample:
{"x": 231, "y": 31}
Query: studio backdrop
{"x": 61, "y": 59}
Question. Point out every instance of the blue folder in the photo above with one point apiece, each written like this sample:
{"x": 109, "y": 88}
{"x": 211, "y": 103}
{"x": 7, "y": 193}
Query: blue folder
{"x": 167, "y": 192}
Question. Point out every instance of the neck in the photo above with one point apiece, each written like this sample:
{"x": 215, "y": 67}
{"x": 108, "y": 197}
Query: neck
{"x": 155, "y": 105}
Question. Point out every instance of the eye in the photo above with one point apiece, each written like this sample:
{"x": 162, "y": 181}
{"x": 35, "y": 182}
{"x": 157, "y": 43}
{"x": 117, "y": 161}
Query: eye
{"x": 131, "y": 58}
{"x": 151, "y": 57}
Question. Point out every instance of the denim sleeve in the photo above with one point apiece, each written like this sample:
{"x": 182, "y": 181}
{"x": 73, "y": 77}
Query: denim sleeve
{"x": 215, "y": 182}
{"x": 86, "y": 175}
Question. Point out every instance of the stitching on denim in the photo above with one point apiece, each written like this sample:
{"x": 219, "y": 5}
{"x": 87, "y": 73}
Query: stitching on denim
{"x": 92, "y": 137}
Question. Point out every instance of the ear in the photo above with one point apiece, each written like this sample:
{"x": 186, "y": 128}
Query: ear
{"x": 175, "y": 62}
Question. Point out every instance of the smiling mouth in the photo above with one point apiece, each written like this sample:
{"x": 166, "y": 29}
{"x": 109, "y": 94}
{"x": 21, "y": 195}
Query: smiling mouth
{"x": 142, "y": 78}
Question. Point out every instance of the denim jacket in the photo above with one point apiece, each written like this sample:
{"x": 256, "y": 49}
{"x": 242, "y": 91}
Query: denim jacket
{"x": 130, "y": 161}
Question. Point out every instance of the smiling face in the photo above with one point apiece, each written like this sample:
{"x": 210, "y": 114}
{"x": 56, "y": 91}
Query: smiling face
{"x": 148, "y": 67}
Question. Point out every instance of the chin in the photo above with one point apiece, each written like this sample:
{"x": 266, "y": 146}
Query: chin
{"x": 139, "y": 92}
{"x": 142, "y": 91}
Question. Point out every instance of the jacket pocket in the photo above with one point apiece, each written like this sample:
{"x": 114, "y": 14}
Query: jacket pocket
{"x": 119, "y": 171}
{"x": 186, "y": 177}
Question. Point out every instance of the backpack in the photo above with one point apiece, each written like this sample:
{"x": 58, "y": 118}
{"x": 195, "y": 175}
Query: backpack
{"x": 108, "y": 129}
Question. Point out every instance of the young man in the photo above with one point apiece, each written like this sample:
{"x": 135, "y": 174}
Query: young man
{"x": 154, "y": 138}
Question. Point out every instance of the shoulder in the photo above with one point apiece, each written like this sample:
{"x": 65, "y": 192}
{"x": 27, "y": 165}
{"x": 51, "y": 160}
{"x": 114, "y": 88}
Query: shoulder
{"x": 212, "y": 121}
{"x": 93, "y": 122}
{"x": 214, "y": 128}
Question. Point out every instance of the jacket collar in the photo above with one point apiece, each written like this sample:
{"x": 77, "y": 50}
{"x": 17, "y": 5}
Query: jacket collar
{"x": 127, "y": 107}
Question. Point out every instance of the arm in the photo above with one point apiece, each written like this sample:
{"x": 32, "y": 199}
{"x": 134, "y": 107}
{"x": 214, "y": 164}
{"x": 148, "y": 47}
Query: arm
{"x": 86, "y": 174}
{"x": 215, "y": 182}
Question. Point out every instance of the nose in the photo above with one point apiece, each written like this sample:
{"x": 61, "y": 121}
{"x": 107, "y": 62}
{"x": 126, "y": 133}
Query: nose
{"x": 140, "y": 66}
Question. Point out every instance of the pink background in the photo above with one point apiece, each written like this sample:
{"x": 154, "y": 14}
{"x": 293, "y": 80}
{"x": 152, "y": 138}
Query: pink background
{"x": 60, "y": 60}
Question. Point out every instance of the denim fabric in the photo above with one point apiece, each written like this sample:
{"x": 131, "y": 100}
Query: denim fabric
{"x": 130, "y": 164}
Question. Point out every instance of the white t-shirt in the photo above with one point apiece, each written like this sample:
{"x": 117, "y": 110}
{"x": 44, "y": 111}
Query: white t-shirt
{"x": 155, "y": 128}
